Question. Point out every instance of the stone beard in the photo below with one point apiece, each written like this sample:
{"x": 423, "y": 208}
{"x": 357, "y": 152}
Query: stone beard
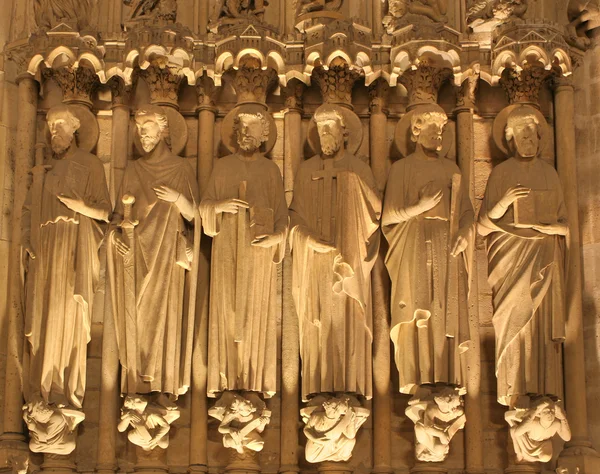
{"x": 61, "y": 234}
{"x": 334, "y": 221}
{"x": 244, "y": 210}
{"x": 426, "y": 267}
{"x": 523, "y": 219}
{"x": 148, "y": 267}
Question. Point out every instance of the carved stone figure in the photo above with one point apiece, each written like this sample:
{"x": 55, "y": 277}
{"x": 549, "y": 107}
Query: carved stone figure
{"x": 61, "y": 237}
{"x": 52, "y": 428}
{"x": 309, "y": 6}
{"x": 241, "y": 9}
{"x": 243, "y": 418}
{"x": 485, "y": 15}
{"x": 584, "y": 18}
{"x": 75, "y": 13}
{"x": 244, "y": 210}
{"x": 334, "y": 221}
{"x": 428, "y": 221}
{"x": 149, "y": 260}
{"x": 533, "y": 428}
{"x": 435, "y": 10}
{"x": 332, "y": 423}
{"x": 152, "y": 10}
{"x": 150, "y": 421}
{"x": 523, "y": 219}
{"x": 437, "y": 417}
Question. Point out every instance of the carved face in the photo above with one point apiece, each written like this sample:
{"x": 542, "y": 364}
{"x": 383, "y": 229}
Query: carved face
{"x": 525, "y": 138}
{"x": 249, "y": 132}
{"x": 149, "y": 132}
{"x": 244, "y": 408}
{"x": 430, "y": 135}
{"x": 62, "y": 133}
{"x": 331, "y": 134}
{"x": 41, "y": 412}
{"x": 334, "y": 408}
{"x": 547, "y": 416}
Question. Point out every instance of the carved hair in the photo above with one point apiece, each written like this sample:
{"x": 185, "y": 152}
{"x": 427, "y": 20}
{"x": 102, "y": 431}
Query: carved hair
{"x": 519, "y": 115}
{"x": 238, "y": 402}
{"x": 160, "y": 117}
{"x": 332, "y": 114}
{"x": 421, "y": 117}
{"x": 66, "y": 112}
{"x": 264, "y": 122}
{"x": 541, "y": 404}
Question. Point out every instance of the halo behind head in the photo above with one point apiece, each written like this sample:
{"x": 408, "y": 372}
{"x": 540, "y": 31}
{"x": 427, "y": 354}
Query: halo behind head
{"x": 88, "y": 130}
{"x": 349, "y": 120}
{"x": 403, "y": 135}
{"x": 499, "y": 128}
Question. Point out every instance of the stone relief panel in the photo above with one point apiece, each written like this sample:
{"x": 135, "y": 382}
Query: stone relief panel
{"x": 485, "y": 15}
{"x": 76, "y": 14}
{"x": 60, "y": 236}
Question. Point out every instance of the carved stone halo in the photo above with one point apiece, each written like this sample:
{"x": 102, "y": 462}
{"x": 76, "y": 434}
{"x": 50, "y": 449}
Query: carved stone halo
{"x": 498, "y": 131}
{"x": 353, "y": 125}
{"x": 89, "y": 131}
{"x": 403, "y": 138}
{"x": 228, "y": 136}
{"x": 178, "y": 131}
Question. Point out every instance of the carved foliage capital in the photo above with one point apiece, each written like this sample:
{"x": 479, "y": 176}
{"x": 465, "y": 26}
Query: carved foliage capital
{"x": 524, "y": 85}
{"x": 163, "y": 81}
{"x": 252, "y": 84}
{"x": 424, "y": 82}
{"x": 336, "y": 82}
{"x": 77, "y": 83}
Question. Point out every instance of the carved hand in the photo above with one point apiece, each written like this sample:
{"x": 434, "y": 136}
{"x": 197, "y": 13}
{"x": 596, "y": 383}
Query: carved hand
{"x": 552, "y": 229}
{"x": 230, "y": 206}
{"x": 267, "y": 240}
{"x": 559, "y": 413}
{"x": 514, "y": 193}
{"x": 461, "y": 242}
{"x": 121, "y": 246}
{"x": 27, "y": 247}
{"x": 76, "y": 204}
{"x": 429, "y": 197}
{"x": 165, "y": 193}
{"x": 319, "y": 245}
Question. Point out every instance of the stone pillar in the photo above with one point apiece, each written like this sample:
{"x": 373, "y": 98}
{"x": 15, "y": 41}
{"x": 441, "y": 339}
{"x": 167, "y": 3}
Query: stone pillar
{"x": 12, "y": 441}
{"x": 206, "y": 109}
{"x": 290, "y": 342}
{"x": 120, "y": 136}
{"x": 465, "y": 107}
{"x": 382, "y": 399}
{"x": 578, "y": 451}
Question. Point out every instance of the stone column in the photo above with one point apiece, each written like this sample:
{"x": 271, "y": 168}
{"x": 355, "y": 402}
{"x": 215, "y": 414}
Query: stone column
{"x": 12, "y": 441}
{"x": 120, "y": 136}
{"x": 579, "y": 451}
{"x": 290, "y": 342}
{"x": 465, "y": 107}
{"x": 206, "y": 109}
{"x": 382, "y": 399}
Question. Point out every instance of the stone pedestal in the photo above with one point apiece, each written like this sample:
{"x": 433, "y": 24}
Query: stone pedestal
{"x": 246, "y": 463}
{"x": 428, "y": 468}
{"x": 524, "y": 469}
{"x": 151, "y": 462}
{"x": 59, "y": 464}
{"x": 335, "y": 468}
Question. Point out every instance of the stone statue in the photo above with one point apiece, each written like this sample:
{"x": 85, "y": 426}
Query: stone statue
{"x": 52, "y": 428}
{"x": 150, "y": 421}
{"x": 149, "y": 260}
{"x": 244, "y": 210}
{"x": 428, "y": 221}
{"x": 332, "y": 423}
{"x": 523, "y": 219}
{"x": 435, "y": 10}
{"x": 152, "y": 9}
{"x": 242, "y": 419}
{"x": 485, "y": 15}
{"x": 74, "y": 13}
{"x": 61, "y": 236}
{"x": 533, "y": 428}
{"x": 437, "y": 416}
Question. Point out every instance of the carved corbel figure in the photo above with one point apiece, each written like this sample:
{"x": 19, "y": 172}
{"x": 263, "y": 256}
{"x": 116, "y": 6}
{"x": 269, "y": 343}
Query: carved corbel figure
{"x": 243, "y": 418}
{"x": 437, "y": 417}
{"x": 332, "y": 423}
{"x": 533, "y": 427}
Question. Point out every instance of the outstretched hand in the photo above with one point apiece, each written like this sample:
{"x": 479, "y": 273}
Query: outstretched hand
{"x": 231, "y": 206}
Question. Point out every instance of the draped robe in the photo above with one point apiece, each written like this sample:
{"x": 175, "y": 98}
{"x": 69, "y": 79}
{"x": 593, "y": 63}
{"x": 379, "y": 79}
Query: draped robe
{"x": 165, "y": 319}
{"x": 59, "y": 298}
{"x": 332, "y": 291}
{"x": 426, "y": 351}
{"x": 526, "y": 274}
{"x": 251, "y": 362}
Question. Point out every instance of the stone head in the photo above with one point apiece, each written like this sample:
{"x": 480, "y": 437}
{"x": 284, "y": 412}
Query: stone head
{"x": 242, "y": 407}
{"x": 135, "y": 403}
{"x": 448, "y": 400}
{"x": 335, "y": 407}
{"x": 523, "y": 132}
{"x": 63, "y": 124}
{"x": 251, "y": 129}
{"x": 545, "y": 411}
{"x": 40, "y": 411}
{"x": 333, "y": 133}
{"x": 152, "y": 126}
{"x": 427, "y": 128}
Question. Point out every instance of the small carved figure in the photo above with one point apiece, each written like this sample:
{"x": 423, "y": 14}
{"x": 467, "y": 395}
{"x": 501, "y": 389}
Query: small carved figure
{"x": 435, "y": 10}
{"x": 437, "y": 417}
{"x": 523, "y": 219}
{"x": 60, "y": 236}
{"x": 150, "y": 421}
{"x": 244, "y": 210}
{"x": 152, "y": 9}
{"x": 309, "y": 6}
{"x": 242, "y": 419}
{"x": 332, "y": 423}
{"x": 75, "y": 13}
{"x": 532, "y": 429}
{"x": 334, "y": 221}
{"x": 241, "y": 9}
{"x": 487, "y": 14}
{"x": 52, "y": 428}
